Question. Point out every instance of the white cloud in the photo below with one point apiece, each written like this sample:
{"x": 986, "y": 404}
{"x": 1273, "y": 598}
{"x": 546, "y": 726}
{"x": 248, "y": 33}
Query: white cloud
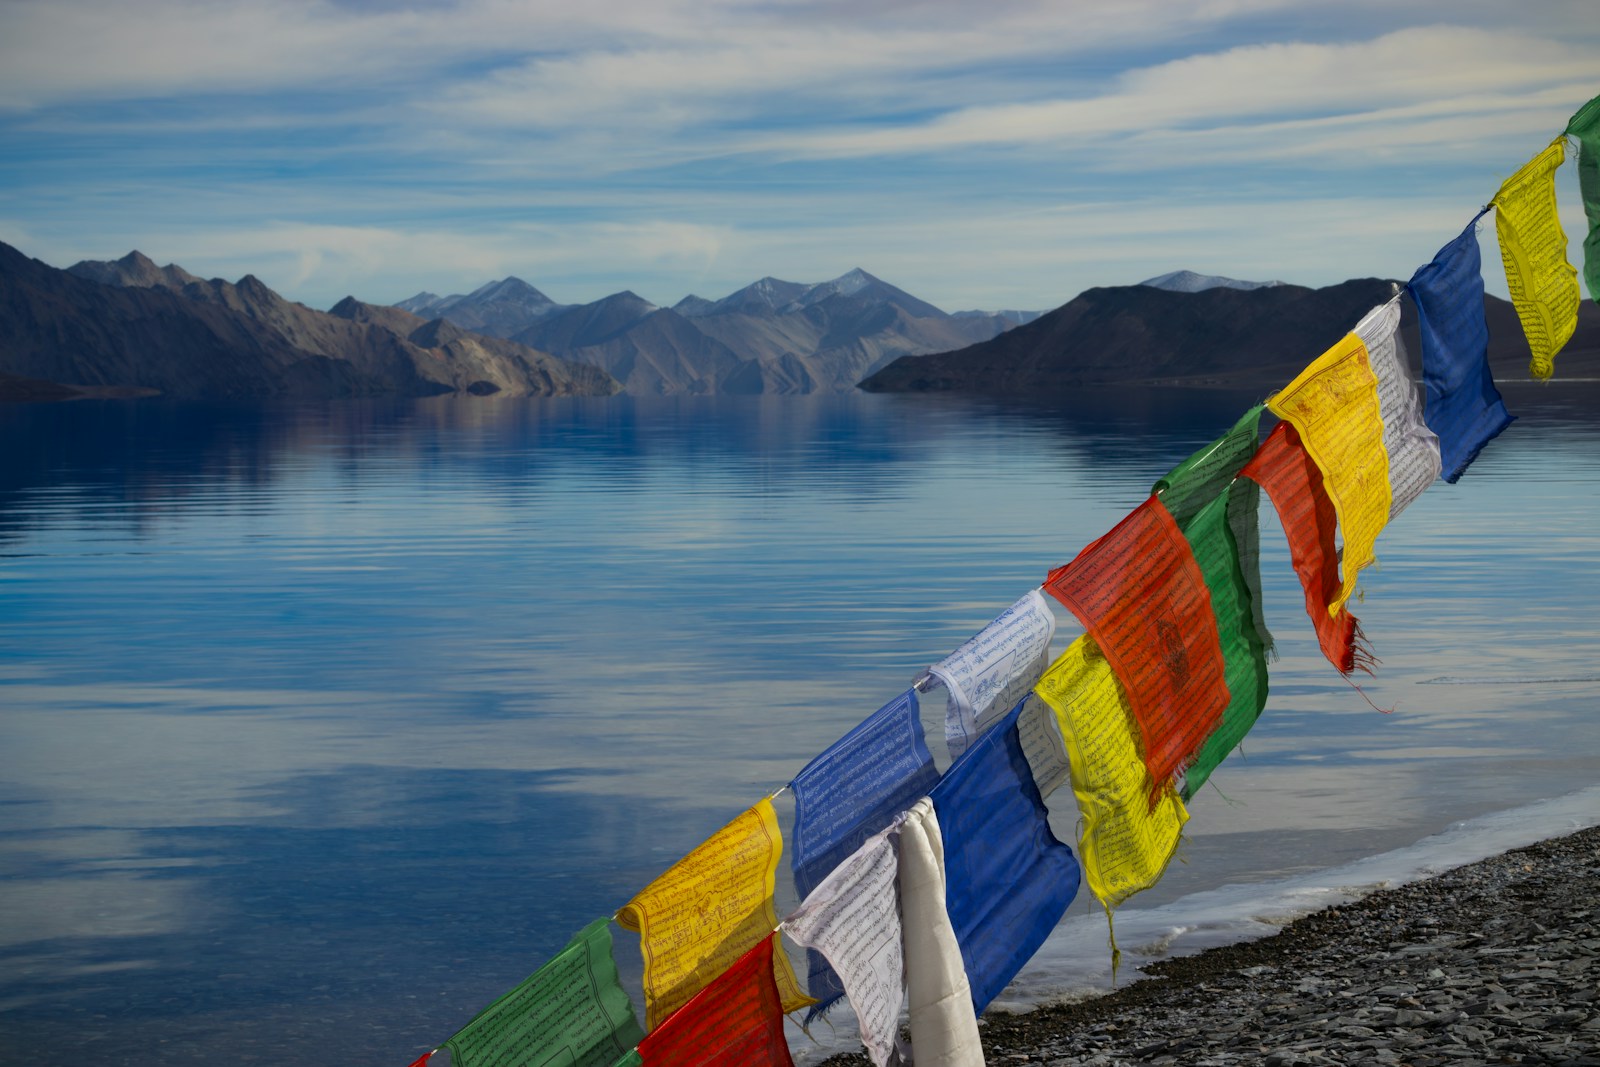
{"x": 1427, "y": 66}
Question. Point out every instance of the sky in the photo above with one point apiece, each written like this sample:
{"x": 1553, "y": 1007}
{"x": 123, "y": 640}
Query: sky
{"x": 1004, "y": 155}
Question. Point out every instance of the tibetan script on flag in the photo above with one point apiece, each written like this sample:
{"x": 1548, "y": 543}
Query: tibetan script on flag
{"x": 1125, "y": 843}
{"x": 706, "y": 911}
{"x": 849, "y": 792}
{"x": 572, "y": 1010}
{"x": 1533, "y": 245}
{"x": 993, "y": 670}
{"x": 1140, "y": 593}
{"x": 737, "y": 1020}
{"x": 853, "y": 920}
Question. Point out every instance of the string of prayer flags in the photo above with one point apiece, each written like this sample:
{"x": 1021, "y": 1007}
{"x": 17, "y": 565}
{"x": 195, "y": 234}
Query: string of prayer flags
{"x": 1139, "y": 591}
{"x": 1544, "y": 286}
{"x": 993, "y": 670}
{"x": 849, "y": 792}
{"x": 1463, "y": 407}
{"x": 1295, "y": 484}
{"x": 573, "y": 1009}
{"x": 735, "y": 1021}
{"x": 1008, "y": 880}
{"x": 944, "y": 1023}
{"x": 852, "y": 919}
{"x": 1585, "y": 127}
{"x": 1125, "y": 843}
{"x": 1215, "y": 510}
{"x": 706, "y": 911}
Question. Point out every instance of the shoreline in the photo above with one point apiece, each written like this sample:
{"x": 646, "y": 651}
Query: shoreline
{"x": 1494, "y": 961}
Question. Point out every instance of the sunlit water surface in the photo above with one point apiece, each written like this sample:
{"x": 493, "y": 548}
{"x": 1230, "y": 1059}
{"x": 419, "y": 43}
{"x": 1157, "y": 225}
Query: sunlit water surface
{"x": 320, "y": 727}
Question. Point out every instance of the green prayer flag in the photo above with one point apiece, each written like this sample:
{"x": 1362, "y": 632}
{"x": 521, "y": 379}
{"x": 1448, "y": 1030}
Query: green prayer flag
{"x": 1217, "y": 514}
{"x": 1585, "y": 126}
{"x": 573, "y": 1010}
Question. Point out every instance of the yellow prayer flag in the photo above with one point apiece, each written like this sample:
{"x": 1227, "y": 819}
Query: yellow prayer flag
{"x": 1126, "y": 843}
{"x": 706, "y": 911}
{"x": 1333, "y": 405}
{"x": 1544, "y": 286}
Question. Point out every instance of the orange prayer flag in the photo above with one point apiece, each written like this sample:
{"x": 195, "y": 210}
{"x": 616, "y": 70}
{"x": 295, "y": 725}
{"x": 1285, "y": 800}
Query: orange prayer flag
{"x": 1294, "y": 483}
{"x": 1139, "y": 591}
{"x": 736, "y": 1021}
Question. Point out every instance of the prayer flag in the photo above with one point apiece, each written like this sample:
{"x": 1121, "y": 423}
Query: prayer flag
{"x": 849, "y": 792}
{"x": 944, "y": 1023}
{"x": 572, "y": 1010}
{"x": 1008, "y": 880}
{"x": 735, "y": 1021}
{"x": 1139, "y": 591}
{"x": 706, "y": 911}
{"x": 1292, "y": 479}
{"x": 1334, "y": 406}
{"x": 1217, "y": 513}
{"x": 988, "y": 674}
{"x": 1544, "y": 286}
{"x": 853, "y": 920}
{"x": 1412, "y": 448}
{"x": 1042, "y": 745}
{"x": 1463, "y": 406}
{"x": 1125, "y": 843}
{"x": 1585, "y": 126}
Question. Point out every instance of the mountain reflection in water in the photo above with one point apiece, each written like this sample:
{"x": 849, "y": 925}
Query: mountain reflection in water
{"x": 324, "y": 725}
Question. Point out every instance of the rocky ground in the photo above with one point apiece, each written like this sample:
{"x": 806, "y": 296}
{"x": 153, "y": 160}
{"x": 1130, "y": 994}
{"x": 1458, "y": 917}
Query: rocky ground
{"x": 1495, "y": 962}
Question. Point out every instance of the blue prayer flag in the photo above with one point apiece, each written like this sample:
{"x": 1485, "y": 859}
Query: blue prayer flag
{"x": 1463, "y": 406}
{"x": 1008, "y": 880}
{"x": 851, "y": 791}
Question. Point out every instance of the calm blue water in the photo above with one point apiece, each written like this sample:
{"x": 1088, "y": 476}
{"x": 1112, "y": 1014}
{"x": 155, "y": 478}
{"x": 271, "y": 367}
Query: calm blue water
{"x": 320, "y": 727}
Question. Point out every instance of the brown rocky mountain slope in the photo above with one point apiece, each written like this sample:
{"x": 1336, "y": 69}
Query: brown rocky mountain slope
{"x": 130, "y": 327}
{"x": 1256, "y": 338}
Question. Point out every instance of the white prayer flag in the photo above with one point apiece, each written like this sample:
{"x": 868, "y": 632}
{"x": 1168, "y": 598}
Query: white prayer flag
{"x": 993, "y": 670}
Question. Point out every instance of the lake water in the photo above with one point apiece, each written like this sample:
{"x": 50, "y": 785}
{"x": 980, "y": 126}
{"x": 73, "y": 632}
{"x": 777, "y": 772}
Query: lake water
{"x": 322, "y": 726}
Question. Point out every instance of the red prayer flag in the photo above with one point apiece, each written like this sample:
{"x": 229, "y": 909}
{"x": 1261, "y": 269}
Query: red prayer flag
{"x": 423, "y": 1059}
{"x": 736, "y": 1021}
{"x": 1294, "y": 482}
{"x": 1140, "y": 593}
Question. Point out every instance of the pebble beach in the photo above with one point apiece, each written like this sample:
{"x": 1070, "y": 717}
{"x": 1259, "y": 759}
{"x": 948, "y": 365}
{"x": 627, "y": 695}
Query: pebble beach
{"x": 1493, "y": 962}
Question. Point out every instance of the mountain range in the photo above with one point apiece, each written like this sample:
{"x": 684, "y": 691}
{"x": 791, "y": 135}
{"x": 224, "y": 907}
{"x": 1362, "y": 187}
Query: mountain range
{"x": 772, "y": 336}
{"x": 129, "y": 327}
{"x": 1257, "y": 338}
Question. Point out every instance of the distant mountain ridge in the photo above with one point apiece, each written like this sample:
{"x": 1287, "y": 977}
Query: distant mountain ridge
{"x": 772, "y": 336}
{"x": 1257, "y": 338}
{"x": 128, "y": 327}
{"x": 1187, "y": 281}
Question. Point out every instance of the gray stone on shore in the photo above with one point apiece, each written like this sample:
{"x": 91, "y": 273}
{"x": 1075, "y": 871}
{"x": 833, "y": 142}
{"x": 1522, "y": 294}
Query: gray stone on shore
{"x": 1494, "y": 962}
